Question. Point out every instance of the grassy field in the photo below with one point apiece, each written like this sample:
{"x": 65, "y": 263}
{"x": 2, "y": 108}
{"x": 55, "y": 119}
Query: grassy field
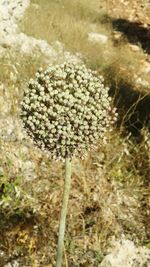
{"x": 70, "y": 22}
{"x": 109, "y": 195}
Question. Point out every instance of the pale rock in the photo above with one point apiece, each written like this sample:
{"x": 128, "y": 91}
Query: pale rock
{"x": 28, "y": 45}
{"x": 134, "y": 48}
{"x": 142, "y": 82}
{"x": 117, "y": 35}
{"x": 14, "y": 263}
{"x": 11, "y": 129}
{"x": 147, "y": 70}
{"x": 124, "y": 253}
{"x": 10, "y": 13}
{"x": 28, "y": 170}
{"x": 97, "y": 37}
{"x": 10, "y": 36}
{"x": 145, "y": 67}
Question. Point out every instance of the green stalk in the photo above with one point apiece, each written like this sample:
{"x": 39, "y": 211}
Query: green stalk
{"x": 62, "y": 224}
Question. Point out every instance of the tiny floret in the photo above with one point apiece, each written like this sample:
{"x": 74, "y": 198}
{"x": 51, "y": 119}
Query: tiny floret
{"x": 66, "y": 110}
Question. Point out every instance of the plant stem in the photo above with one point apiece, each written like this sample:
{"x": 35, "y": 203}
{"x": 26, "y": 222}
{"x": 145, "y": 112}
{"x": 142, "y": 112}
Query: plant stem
{"x": 62, "y": 224}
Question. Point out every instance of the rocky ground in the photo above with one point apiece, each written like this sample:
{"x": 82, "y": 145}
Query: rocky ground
{"x": 108, "y": 223}
{"x": 134, "y": 11}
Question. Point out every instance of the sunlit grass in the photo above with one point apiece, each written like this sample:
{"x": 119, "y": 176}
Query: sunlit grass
{"x": 70, "y": 22}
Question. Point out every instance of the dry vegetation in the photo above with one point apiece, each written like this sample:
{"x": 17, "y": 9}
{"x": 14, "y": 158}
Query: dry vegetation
{"x": 110, "y": 194}
{"x": 70, "y": 22}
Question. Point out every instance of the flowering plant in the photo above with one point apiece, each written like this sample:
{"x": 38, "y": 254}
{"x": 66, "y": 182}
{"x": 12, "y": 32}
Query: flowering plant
{"x": 66, "y": 110}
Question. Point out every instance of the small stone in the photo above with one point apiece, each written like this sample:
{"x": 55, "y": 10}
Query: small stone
{"x": 134, "y": 48}
{"x": 97, "y": 37}
{"x": 142, "y": 82}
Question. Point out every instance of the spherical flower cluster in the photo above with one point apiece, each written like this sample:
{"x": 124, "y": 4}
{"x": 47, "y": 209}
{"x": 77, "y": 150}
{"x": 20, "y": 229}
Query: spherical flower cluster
{"x": 66, "y": 109}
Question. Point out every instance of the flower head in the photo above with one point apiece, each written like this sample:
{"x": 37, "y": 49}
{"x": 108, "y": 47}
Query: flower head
{"x": 66, "y": 109}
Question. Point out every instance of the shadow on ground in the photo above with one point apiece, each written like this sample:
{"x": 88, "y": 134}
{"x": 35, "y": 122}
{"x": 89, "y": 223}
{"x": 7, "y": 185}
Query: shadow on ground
{"x": 133, "y": 108}
{"x": 132, "y": 105}
{"x": 135, "y": 32}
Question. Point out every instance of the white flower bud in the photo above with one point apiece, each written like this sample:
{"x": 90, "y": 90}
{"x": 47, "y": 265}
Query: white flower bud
{"x": 69, "y": 112}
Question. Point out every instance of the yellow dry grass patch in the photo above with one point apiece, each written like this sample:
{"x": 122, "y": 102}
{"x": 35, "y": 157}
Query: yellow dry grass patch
{"x": 70, "y": 22}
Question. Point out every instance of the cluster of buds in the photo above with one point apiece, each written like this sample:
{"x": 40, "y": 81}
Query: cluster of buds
{"x": 66, "y": 109}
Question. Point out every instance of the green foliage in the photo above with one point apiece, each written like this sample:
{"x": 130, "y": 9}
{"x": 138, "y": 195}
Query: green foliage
{"x": 14, "y": 200}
